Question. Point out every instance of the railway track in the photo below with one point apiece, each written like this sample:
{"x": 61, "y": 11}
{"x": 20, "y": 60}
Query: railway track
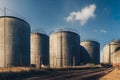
{"x": 72, "y": 75}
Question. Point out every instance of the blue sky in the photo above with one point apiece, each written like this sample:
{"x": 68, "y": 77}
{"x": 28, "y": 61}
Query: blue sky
{"x": 102, "y": 24}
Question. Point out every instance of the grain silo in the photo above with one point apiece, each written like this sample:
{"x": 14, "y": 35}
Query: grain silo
{"x": 14, "y": 42}
{"x": 90, "y": 51}
{"x": 108, "y": 51}
{"x": 39, "y": 49}
{"x": 116, "y": 58}
{"x": 64, "y": 49}
{"x": 85, "y": 57}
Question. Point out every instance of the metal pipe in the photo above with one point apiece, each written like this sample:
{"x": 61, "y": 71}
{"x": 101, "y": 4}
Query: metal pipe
{"x": 5, "y": 38}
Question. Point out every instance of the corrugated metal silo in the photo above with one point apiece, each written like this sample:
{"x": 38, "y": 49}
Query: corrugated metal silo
{"x": 14, "y": 42}
{"x": 105, "y": 57}
{"x": 85, "y": 57}
{"x": 39, "y": 49}
{"x": 108, "y": 51}
{"x": 64, "y": 49}
{"x": 90, "y": 52}
{"x": 116, "y": 58}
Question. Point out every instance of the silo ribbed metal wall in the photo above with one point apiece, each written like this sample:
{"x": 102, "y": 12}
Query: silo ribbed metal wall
{"x": 39, "y": 49}
{"x": 116, "y": 58}
{"x": 90, "y": 51}
{"x": 64, "y": 49}
{"x": 106, "y": 56}
{"x": 14, "y": 42}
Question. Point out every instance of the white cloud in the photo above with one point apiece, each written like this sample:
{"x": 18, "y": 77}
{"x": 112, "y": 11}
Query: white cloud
{"x": 83, "y": 15}
{"x": 103, "y": 31}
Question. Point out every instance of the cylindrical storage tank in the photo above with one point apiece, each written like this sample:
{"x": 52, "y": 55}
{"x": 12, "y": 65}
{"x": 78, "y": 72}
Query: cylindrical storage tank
{"x": 90, "y": 51}
{"x": 39, "y": 49}
{"x": 108, "y": 51}
{"x": 106, "y": 56}
{"x": 116, "y": 58}
{"x": 14, "y": 42}
{"x": 64, "y": 49}
{"x": 85, "y": 57}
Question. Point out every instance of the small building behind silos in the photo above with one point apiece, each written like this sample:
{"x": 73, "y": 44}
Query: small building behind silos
{"x": 90, "y": 52}
{"x": 64, "y": 49}
{"x": 39, "y": 49}
{"x": 14, "y": 42}
{"x": 108, "y": 50}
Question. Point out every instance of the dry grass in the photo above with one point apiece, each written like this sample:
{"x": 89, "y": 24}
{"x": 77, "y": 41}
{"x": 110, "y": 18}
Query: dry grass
{"x": 15, "y": 69}
{"x": 78, "y": 67}
{"x": 18, "y": 73}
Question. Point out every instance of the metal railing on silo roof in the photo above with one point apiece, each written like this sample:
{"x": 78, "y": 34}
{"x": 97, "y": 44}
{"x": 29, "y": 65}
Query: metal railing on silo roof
{"x": 64, "y": 29}
{"x": 40, "y": 31}
{"x": 90, "y": 39}
{"x": 9, "y": 12}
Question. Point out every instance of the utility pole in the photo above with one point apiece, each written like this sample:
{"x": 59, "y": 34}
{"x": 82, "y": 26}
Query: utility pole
{"x": 61, "y": 64}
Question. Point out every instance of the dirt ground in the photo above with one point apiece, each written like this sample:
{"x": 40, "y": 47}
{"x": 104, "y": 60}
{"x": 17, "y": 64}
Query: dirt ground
{"x": 114, "y": 75}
